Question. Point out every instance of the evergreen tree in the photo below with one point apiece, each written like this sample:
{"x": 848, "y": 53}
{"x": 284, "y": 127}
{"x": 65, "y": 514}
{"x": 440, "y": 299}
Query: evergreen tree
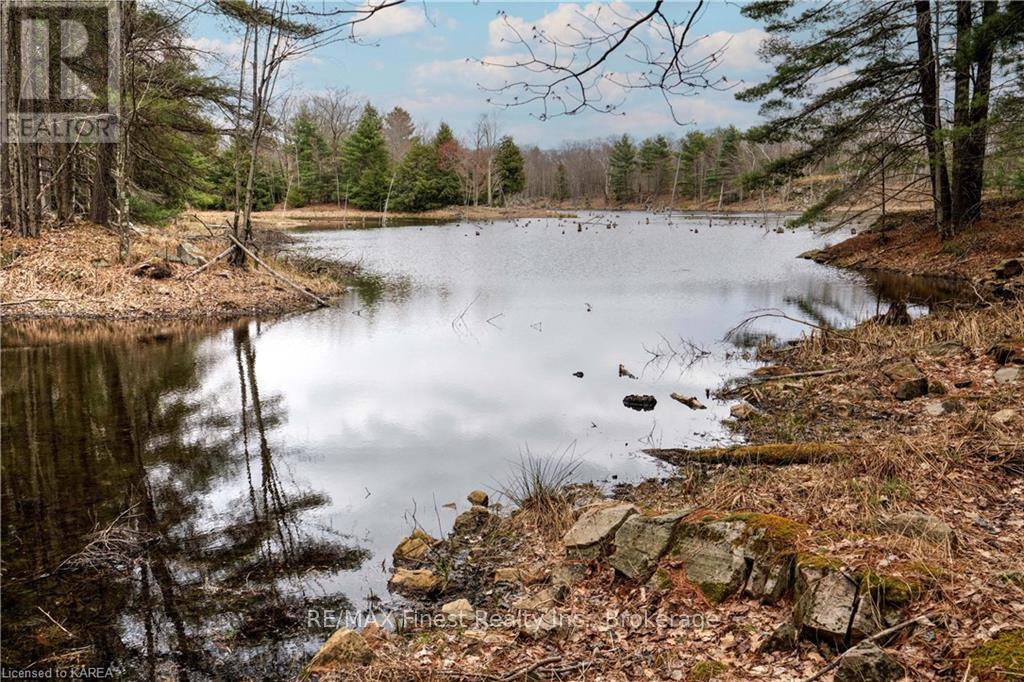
{"x": 312, "y": 160}
{"x": 398, "y": 133}
{"x": 449, "y": 188}
{"x": 722, "y": 177}
{"x": 364, "y": 164}
{"x": 693, "y": 169}
{"x": 509, "y": 170}
{"x": 621, "y": 163}
{"x": 561, "y": 183}
{"x": 420, "y": 182}
{"x": 887, "y": 105}
{"x": 653, "y": 160}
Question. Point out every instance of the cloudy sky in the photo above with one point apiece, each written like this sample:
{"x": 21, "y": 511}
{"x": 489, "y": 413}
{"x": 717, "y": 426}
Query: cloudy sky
{"x": 426, "y": 57}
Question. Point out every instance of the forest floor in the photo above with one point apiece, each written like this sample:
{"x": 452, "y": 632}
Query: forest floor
{"x": 74, "y": 272}
{"x": 954, "y": 453}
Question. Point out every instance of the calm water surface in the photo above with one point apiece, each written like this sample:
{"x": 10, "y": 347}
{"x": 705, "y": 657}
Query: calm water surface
{"x": 224, "y": 480}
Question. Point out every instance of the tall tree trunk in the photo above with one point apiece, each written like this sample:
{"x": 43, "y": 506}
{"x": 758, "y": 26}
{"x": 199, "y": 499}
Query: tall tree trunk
{"x": 962, "y": 63}
{"x": 927, "y": 69}
{"x": 33, "y": 214}
{"x": 102, "y": 185}
{"x": 974, "y": 151}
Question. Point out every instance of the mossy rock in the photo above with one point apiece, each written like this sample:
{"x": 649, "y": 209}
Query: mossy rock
{"x": 706, "y": 670}
{"x": 773, "y": 533}
{"x": 812, "y": 560}
{"x": 1001, "y": 658}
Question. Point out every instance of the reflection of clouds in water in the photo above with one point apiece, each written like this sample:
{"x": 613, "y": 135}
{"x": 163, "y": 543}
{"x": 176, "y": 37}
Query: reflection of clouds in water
{"x": 418, "y": 398}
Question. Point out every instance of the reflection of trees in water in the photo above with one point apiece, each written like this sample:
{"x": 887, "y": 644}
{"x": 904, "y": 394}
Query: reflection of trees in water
{"x": 110, "y": 433}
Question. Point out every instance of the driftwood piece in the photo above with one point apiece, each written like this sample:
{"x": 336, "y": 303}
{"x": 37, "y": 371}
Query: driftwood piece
{"x": 690, "y": 402}
{"x": 777, "y": 454}
{"x": 278, "y": 275}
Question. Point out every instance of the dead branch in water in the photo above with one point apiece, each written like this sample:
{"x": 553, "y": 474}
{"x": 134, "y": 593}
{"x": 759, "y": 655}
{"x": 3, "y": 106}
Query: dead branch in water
{"x": 783, "y": 316}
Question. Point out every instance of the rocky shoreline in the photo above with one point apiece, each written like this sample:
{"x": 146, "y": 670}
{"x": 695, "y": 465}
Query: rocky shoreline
{"x": 870, "y": 529}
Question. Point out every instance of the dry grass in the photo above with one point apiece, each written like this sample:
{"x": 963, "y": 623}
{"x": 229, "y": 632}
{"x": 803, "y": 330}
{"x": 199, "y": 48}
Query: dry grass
{"x": 539, "y": 487}
{"x": 73, "y": 272}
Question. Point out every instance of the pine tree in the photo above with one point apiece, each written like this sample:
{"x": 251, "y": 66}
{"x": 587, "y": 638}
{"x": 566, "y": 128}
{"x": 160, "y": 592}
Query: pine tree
{"x": 653, "y": 161}
{"x": 420, "y": 182}
{"x": 888, "y": 105}
{"x": 693, "y": 165}
{"x": 722, "y": 178}
{"x": 449, "y": 188}
{"x": 312, "y": 159}
{"x": 509, "y": 170}
{"x": 561, "y": 183}
{"x": 621, "y": 163}
{"x": 364, "y": 163}
{"x": 398, "y": 133}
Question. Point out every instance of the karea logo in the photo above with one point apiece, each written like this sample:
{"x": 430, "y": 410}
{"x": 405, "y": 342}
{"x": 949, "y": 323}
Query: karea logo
{"x": 60, "y": 71}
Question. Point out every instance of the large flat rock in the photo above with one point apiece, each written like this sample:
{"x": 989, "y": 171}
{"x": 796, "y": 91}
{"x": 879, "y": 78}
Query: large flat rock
{"x": 641, "y": 540}
{"x": 592, "y": 534}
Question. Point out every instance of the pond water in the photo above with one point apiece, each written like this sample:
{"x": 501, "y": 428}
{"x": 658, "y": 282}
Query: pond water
{"x": 177, "y": 499}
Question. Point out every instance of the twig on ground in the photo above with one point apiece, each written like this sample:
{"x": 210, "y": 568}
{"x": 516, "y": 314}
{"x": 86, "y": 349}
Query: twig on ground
{"x": 873, "y": 638}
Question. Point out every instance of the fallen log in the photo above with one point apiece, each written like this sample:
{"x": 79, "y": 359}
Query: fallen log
{"x": 322, "y": 303}
{"x": 777, "y": 454}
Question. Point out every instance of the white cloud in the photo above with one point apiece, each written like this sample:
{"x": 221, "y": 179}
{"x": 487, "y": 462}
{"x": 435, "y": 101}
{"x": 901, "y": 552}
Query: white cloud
{"x": 739, "y": 50}
{"x": 392, "y": 21}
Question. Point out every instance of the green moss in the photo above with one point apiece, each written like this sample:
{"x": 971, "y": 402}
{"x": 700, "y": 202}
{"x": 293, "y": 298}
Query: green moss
{"x": 890, "y": 591}
{"x": 717, "y": 592}
{"x": 1001, "y": 658}
{"x": 811, "y": 560}
{"x": 660, "y": 581}
{"x": 706, "y": 670}
{"x": 779, "y": 531}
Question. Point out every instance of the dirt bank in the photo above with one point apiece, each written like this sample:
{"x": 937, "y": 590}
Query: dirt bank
{"x": 73, "y": 272}
{"x": 909, "y": 243}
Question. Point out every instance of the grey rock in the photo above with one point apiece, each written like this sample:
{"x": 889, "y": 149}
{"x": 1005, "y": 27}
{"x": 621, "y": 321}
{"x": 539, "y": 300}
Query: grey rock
{"x": 711, "y": 558}
{"x": 567, "y": 575}
{"x": 937, "y": 408}
{"x": 907, "y": 380}
{"x": 1008, "y": 375}
{"x": 914, "y": 524}
{"x": 593, "y": 531}
{"x": 945, "y": 348}
{"x": 186, "y": 255}
{"x": 548, "y": 624}
{"x": 542, "y": 600}
{"x": 784, "y": 638}
{"x": 866, "y": 662}
{"x": 824, "y": 603}
{"x": 641, "y": 540}
{"x": 770, "y": 577}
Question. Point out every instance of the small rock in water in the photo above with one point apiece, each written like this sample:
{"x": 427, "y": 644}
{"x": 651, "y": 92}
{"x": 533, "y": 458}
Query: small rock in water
{"x": 478, "y": 497}
{"x": 421, "y": 581}
{"x": 472, "y": 519}
{"x": 623, "y": 372}
{"x": 640, "y": 403}
{"x": 578, "y": 375}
